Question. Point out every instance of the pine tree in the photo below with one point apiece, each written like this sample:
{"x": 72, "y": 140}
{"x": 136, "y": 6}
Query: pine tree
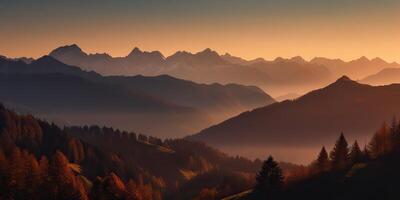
{"x": 355, "y": 153}
{"x": 269, "y": 179}
{"x": 366, "y": 154}
{"x": 340, "y": 153}
{"x": 323, "y": 163}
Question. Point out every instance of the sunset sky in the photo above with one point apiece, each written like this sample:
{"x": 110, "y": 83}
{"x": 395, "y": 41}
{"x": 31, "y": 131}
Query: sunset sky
{"x": 247, "y": 28}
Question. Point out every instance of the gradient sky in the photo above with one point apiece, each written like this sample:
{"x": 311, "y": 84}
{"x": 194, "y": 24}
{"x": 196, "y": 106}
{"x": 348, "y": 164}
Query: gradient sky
{"x": 248, "y": 28}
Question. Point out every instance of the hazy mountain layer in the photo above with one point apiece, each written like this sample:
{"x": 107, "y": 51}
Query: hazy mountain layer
{"x": 384, "y": 77}
{"x": 315, "y": 118}
{"x": 160, "y": 105}
{"x": 277, "y": 77}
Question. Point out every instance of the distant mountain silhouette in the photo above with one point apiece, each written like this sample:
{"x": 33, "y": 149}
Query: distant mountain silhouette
{"x": 384, "y": 77}
{"x": 206, "y": 66}
{"x": 278, "y": 77}
{"x": 319, "y": 116}
{"x": 238, "y": 60}
{"x": 67, "y": 93}
{"x": 23, "y": 59}
{"x": 356, "y": 69}
{"x": 289, "y": 96}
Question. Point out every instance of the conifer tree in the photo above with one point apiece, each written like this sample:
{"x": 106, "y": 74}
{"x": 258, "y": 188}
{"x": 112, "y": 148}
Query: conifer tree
{"x": 340, "y": 153}
{"x": 269, "y": 179}
{"x": 323, "y": 163}
{"x": 355, "y": 153}
{"x": 366, "y": 154}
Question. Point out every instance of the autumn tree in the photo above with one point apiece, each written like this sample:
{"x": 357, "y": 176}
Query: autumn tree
{"x": 380, "y": 143}
{"x": 269, "y": 179}
{"x": 114, "y": 187}
{"x": 207, "y": 193}
{"x": 17, "y": 172}
{"x": 3, "y": 174}
{"x": 34, "y": 178}
{"x": 140, "y": 191}
{"x": 340, "y": 153}
{"x": 63, "y": 182}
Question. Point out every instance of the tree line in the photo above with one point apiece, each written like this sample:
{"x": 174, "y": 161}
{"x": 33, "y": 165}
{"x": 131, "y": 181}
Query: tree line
{"x": 40, "y": 160}
{"x": 342, "y": 161}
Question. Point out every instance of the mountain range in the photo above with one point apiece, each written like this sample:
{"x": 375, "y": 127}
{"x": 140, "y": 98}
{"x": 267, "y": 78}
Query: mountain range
{"x": 384, "y": 77}
{"x": 356, "y": 69}
{"x": 277, "y": 77}
{"x": 297, "y": 126}
{"x": 162, "y": 105}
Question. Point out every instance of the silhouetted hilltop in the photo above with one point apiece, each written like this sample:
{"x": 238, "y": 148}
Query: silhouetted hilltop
{"x": 316, "y": 117}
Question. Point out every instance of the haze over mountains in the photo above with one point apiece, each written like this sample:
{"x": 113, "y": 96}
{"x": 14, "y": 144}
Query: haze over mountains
{"x": 157, "y": 105}
{"x": 180, "y": 107}
{"x": 356, "y": 69}
{"x": 277, "y": 77}
{"x": 290, "y": 129}
{"x": 384, "y": 77}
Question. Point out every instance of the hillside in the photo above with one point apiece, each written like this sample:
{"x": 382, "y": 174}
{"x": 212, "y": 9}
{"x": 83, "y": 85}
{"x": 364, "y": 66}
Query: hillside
{"x": 315, "y": 118}
{"x": 58, "y": 91}
{"x": 347, "y": 172}
{"x": 81, "y": 160}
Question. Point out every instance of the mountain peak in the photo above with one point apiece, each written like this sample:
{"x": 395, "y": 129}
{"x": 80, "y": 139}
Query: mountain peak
{"x": 279, "y": 59}
{"x": 343, "y": 79}
{"x": 298, "y": 59}
{"x": 379, "y": 61}
{"x": 72, "y": 47}
{"x": 208, "y": 52}
{"x": 48, "y": 60}
{"x": 136, "y": 51}
{"x": 67, "y": 49}
{"x": 363, "y": 59}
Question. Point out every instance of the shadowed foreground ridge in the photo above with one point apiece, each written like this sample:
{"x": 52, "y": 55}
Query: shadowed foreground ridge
{"x": 348, "y": 172}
